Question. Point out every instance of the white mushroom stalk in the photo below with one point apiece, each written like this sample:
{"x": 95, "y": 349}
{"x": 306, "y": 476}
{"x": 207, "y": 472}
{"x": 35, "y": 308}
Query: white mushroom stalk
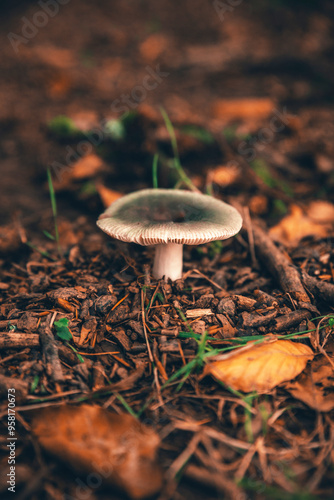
{"x": 168, "y": 261}
{"x": 168, "y": 219}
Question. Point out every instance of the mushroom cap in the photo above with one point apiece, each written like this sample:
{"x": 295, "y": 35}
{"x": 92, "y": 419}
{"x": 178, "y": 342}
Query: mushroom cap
{"x": 153, "y": 216}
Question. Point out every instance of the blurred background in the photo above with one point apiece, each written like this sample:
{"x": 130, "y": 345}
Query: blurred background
{"x": 247, "y": 86}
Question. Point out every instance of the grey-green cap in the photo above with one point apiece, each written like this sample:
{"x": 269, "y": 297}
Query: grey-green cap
{"x": 162, "y": 216}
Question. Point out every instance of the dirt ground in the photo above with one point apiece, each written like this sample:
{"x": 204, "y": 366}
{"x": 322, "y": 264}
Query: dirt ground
{"x": 247, "y": 87}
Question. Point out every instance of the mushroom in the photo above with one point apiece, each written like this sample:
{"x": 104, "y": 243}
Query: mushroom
{"x": 169, "y": 218}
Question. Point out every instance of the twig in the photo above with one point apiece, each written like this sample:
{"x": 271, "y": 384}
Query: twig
{"x": 205, "y": 277}
{"x": 183, "y": 458}
{"x": 150, "y": 355}
{"x": 280, "y": 267}
{"x": 214, "y": 480}
{"x": 18, "y": 340}
{"x": 319, "y": 288}
{"x": 249, "y": 229}
{"x": 50, "y": 351}
{"x": 13, "y": 356}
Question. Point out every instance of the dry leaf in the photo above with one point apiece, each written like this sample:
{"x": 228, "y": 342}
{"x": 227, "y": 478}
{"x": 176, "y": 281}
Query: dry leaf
{"x": 245, "y": 108}
{"x": 261, "y": 367}
{"x": 258, "y": 204}
{"x": 321, "y": 211}
{"x": 52, "y": 56}
{"x": 84, "y": 334}
{"x": 58, "y": 85}
{"x": 108, "y": 196}
{"x": 154, "y": 46}
{"x": 9, "y": 239}
{"x": 149, "y": 112}
{"x": 118, "y": 448}
{"x": 87, "y": 166}
{"x": 315, "y": 386}
{"x": 324, "y": 164}
{"x": 85, "y": 120}
{"x": 295, "y": 226}
{"x": 67, "y": 237}
{"x": 225, "y": 175}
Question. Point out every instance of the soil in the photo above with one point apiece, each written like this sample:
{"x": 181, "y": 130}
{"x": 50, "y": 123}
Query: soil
{"x": 248, "y": 90}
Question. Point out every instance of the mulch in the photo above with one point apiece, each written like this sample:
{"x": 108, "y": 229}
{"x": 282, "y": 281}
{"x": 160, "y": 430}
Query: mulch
{"x": 133, "y": 337}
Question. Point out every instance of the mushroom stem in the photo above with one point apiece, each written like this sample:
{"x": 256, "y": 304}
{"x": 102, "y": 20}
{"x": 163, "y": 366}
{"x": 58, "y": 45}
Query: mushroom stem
{"x": 168, "y": 261}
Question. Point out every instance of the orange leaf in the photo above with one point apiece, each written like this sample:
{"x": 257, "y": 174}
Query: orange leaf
{"x": 117, "y": 448}
{"x": 225, "y": 175}
{"x": 261, "y": 367}
{"x": 244, "y": 108}
{"x": 295, "y": 226}
{"x": 108, "y": 196}
{"x": 87, "y": 166}
{"x": 315, "y": 386}
{"x": 154, "y": 46}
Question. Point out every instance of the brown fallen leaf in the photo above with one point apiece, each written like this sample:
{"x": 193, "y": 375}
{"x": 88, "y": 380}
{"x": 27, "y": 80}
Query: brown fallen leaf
{"x": 67, "y": 236}
{"x": 108, "y": 196}
{"x": 9, "y": 239}
{"x": 118, "y": 448}
{"x": 245, "y": 108}
{"x": 86, "y": 120}
{"x": 298, "y": 224}
{"x": 315, "y": 386}
{"x": 51, "y": 55}
{"x": 225, "y": 175}
{"x": 85, "y": 167}
{"x": 84, "y": 335}
{"x": 321, "y": 211}
{"x": 260, "y": 367}
{"x": 258, "y": 204}
{"x": 153, "y": 46}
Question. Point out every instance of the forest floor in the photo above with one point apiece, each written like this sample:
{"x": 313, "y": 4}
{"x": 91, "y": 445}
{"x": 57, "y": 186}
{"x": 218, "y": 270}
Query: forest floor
{"x": 217, "y": 385}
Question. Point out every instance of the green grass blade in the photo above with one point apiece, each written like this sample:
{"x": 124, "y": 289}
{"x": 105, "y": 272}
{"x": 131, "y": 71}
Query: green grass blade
{"x": 54, "y": 208}
{"x": 126, "y": 406}
{"x": 155, "y": 171}
{"x": 176, "y": 163}
{"x": 171, "y": 132}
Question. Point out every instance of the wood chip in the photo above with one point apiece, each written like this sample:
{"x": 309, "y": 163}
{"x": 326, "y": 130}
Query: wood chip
{"x": 18, "y": 340}
{"x": 50, "y": 351}
{"x": 197, "y": 313}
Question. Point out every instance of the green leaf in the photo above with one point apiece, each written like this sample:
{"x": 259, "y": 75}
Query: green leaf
{"x": 198, "y": 133}
{"x": 280, "y": 207}
{"x": 80, "y": 358}
{"x": 63, "y": 126}
{"x": 229, "y": 133}
{"x": 62, "y": 329}
{"x": 54, "y": 208}
{"x": 262, "y": 170}
{"x": 34, "y": 384}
